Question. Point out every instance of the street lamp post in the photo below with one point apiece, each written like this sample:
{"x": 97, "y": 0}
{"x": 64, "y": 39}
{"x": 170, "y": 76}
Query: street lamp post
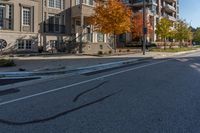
{"x": 82, "y": 27}
{"x": 144, "y": 28}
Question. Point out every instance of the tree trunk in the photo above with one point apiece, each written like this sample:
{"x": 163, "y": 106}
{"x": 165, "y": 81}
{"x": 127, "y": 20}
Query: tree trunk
{"x": 164, "y": 43}
{"x": 181, "y": 43}
{"x": 115, "y": 42}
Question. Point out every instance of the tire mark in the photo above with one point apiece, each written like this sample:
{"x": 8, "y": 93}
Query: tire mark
{"x": 86, "y": 91}
{"x": 9, "y": 91}
{"x": 7, "y": 122}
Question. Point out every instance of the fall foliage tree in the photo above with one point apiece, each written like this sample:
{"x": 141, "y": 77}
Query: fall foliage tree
{"x": 111, "y": 17}
{"x": 137, "y": 29}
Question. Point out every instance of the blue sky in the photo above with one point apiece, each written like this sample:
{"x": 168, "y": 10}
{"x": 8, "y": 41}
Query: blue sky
{"x": 190, "y": 10}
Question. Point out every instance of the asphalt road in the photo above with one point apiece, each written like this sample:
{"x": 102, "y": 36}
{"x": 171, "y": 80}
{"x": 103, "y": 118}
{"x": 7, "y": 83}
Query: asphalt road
{"x": 156, "y": 96}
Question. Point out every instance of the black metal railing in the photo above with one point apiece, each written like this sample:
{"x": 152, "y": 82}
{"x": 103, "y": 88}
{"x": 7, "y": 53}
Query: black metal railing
{"x": 54, "y": 28}
{"x": 5, "y": 24}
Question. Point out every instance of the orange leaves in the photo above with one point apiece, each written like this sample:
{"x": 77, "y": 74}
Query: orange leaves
{"x": 138, "y": 26}
{"x": 111, "y": 17}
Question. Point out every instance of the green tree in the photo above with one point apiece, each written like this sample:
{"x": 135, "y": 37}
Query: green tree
{"x": 182, "y": 32}
{"x": 196, "y": 35}
{"x": 163, "y": 29}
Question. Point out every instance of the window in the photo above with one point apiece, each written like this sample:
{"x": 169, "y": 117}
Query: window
{"x": 26, "y": 16}
{"x": 6, "y": 16}
{"x": 28, "y": 44}
{"x": 57, "y": 21}
{"x": 55, "y": 3}
{"x": 126, "y": 1}
{"x": 20, "y": 44}
{"x": 54, "y": 23}
{"x": 89, "y": 2}
{"x": 78, "y": 2}
{"x": 10, "y": 17}
{"x": 58, "y": 3}
{"x": 100, "y": 37}
{"x": 51, "y": 3}
{"x": 25, "y": 44}
{"x": 53, "y": 43}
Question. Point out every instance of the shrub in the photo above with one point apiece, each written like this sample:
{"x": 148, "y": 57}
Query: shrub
{"x": 40, "y": 49}
{"x": 6, "y": 62}
{"x": 101, "y": 46}
{"x": 22, "y": 69}
{"x": 100, "y": 53}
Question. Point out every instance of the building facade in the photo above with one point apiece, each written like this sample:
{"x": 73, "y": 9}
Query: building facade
{"x": 93, "y": 41}
{"x": 18, "y": 24}
{"x": 155, "y": 10}
{"x": 53, "y": 23}
{"x": 29, "y": 25}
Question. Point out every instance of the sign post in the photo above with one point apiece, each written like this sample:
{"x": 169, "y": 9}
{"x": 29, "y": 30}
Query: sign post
{"x": 144, "y": 28}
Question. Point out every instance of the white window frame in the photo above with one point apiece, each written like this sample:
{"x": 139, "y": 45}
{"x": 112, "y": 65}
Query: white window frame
{"x": 55, "y": 4}
{"x": 77, "y": 2}
{"x": 87, "y": 2}
{"x": 20, "y": 45}
{"x": 26, "y": 44}
{"x": 28, "y": 21}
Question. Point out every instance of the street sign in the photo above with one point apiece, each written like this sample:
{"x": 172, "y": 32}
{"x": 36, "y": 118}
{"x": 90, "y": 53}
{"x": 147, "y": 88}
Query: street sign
{"x": 145, "y": 30}
{"x": 3, "y": 44}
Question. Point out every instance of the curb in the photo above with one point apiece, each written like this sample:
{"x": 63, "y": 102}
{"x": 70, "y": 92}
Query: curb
{"x": 82, "y": 70}
{"x": 180, "y": 53}
{"x": 79, "y": 70}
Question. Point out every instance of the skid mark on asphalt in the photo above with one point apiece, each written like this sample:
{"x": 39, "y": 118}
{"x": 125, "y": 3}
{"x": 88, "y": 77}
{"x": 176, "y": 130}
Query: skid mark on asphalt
{"x": 89, "y": 90}
{"x": 12, "y": 81}
{"x": 42, "y": 120}
{"x": 9, "y": 91}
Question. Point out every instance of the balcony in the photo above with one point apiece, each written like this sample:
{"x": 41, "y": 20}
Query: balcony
{"x": 170, "y": 17}
{"x": 6, "y": 24}
{"x": 86, "y": 10}
{"x": 54, "y": 28}
{"x": 137, "y": 4}
{"x": 170, "y": 0}
{"x": 169, "y": 8}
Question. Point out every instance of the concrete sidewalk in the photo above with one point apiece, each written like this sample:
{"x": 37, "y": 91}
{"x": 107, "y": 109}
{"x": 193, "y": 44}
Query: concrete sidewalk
{"x": 52, "y": 63}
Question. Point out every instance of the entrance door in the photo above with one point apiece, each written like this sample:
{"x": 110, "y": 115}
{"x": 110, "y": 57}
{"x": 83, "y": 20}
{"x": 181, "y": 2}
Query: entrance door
{"x": 57, "y": 22}
{"x": 51, "y": 24}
